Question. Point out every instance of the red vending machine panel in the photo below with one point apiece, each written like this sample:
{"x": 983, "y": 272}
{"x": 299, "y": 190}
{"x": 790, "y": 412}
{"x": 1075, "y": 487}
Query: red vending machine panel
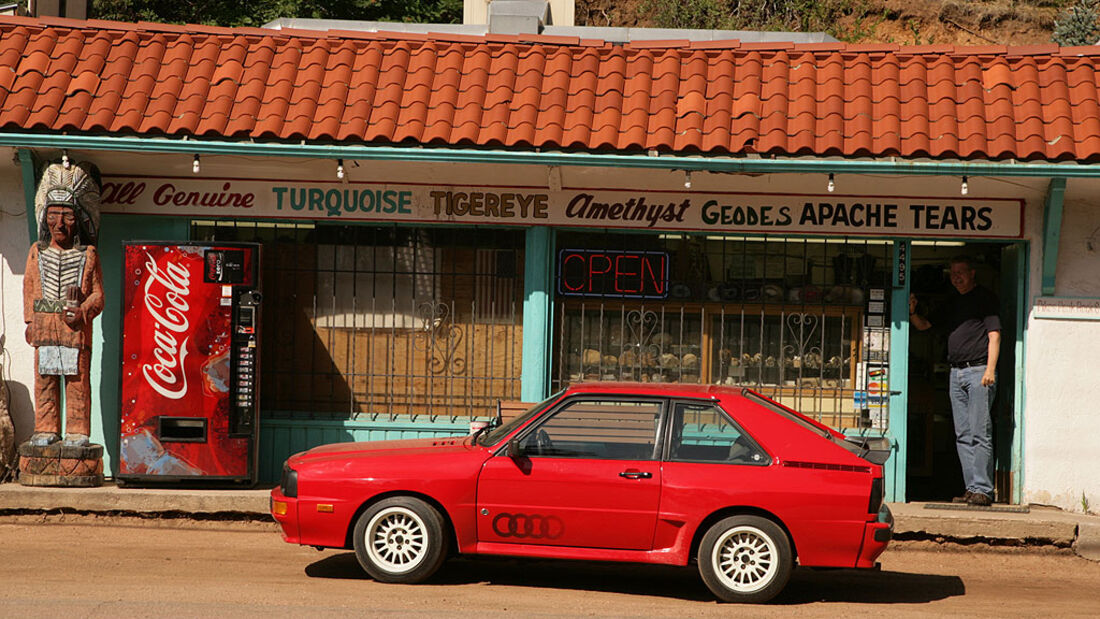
{"x": 190, "y": 337}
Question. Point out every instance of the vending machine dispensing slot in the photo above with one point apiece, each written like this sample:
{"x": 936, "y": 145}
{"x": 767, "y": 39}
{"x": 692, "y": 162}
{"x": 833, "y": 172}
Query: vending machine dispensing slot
{"x": 190, "y": 362}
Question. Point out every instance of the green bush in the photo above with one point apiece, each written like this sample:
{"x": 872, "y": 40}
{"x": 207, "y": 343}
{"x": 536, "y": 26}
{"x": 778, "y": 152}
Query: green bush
{"x": 1077, "y": 25}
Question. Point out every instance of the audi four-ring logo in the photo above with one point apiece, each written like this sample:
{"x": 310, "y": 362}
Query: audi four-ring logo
{"x": 533, "y": 526}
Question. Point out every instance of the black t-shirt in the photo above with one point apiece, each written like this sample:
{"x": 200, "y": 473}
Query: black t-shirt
{"x": 968, "y": 319}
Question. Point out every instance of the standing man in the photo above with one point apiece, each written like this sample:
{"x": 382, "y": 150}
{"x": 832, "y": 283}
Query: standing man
{"x": 973, "y": 346}
{"x": 62, "y": 294}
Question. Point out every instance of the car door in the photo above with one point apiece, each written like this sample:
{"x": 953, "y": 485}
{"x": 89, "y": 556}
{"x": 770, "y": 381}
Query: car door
{"x": 587, "y": 476}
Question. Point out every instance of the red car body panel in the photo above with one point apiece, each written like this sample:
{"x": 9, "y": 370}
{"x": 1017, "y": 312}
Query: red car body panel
{"x": 583, "y": 509}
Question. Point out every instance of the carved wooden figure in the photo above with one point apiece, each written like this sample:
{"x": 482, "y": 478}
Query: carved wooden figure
{"x": 62, "y": 294}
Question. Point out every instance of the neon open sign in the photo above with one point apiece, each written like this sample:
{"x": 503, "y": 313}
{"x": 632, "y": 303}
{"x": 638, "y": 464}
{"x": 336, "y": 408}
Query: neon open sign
{"x": 612, "y": 273}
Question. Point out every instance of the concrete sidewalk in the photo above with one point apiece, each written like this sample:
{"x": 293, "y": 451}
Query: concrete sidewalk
{"x": 1038, "y": 526}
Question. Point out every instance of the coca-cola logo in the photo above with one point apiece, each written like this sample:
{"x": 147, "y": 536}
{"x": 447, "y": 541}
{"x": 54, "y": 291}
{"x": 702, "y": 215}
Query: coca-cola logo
{"x": 167, "y": 305}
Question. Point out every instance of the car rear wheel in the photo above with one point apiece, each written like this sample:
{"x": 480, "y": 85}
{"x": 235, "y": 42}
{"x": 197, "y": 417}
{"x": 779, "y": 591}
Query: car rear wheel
{"x": 400, "y": 539}
{"x": 745, "y": 559}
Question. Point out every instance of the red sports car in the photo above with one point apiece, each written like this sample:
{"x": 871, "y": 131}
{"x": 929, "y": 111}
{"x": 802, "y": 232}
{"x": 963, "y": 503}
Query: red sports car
{"x": 645, "y": 473}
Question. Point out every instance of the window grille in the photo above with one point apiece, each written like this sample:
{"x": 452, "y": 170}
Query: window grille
{"x": 385, "y": 322}
{"x": 804, "y": 321}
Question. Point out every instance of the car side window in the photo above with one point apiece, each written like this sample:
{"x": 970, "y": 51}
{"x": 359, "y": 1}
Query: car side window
{"x": 703, "y": 433}
{"x": 597, "y": 429}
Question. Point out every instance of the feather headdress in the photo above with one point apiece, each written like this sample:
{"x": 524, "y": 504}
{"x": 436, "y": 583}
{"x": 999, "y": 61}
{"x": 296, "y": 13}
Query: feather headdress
{"x": 77, "y": 187}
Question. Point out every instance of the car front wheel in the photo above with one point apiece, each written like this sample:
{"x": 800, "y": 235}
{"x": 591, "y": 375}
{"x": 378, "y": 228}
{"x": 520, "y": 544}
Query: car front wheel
{"x": 745, "y": 559}
{"x": 400, "y": 539}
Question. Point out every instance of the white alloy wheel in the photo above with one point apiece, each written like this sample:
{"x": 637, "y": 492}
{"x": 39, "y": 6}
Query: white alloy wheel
{"x": 401, "y": 539}
{"x": 396, "y": 540}
{"x": 745, "y": 559}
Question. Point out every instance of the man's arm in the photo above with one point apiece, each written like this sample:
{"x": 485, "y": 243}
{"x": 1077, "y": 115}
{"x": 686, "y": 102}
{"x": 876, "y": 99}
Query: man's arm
{"x": 990, "y": 376}
{"x": 915, "y": 319}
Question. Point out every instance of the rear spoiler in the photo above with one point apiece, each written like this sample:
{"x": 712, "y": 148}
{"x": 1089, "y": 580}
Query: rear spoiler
{"x": 874, "y": 449}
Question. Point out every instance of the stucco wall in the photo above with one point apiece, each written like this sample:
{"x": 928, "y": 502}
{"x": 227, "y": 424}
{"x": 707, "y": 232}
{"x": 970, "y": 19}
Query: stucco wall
{"x": 18, "y": 356}
{"x": 1061, "y": 450}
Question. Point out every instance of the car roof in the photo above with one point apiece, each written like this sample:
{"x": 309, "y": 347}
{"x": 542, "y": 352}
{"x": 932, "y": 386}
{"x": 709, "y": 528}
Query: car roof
{"x": 656, "y": 389}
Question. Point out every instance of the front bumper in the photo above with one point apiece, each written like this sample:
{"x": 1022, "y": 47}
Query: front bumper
{"x": 876, "y": 537}
{"x": 284, "y": 510}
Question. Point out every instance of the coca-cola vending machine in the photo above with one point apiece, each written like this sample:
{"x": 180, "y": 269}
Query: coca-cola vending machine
{"x": 190, "y": 355}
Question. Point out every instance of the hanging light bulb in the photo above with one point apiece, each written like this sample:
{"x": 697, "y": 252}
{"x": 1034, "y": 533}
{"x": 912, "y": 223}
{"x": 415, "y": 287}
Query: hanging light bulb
{"x": 965, "y": 187}
{"x": 832, "y": 183}
{"x": 687, "y": 179}
{"x": 340, "y": 169}
{"x": 65, "y": 163}
{"x": 195, "y": 164}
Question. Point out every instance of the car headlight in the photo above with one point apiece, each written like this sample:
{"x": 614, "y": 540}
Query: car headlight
{"x": 289, "y": 482}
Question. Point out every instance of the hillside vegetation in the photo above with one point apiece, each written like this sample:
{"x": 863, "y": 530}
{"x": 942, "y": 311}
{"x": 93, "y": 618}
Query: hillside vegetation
{"x": 905, "y": 22}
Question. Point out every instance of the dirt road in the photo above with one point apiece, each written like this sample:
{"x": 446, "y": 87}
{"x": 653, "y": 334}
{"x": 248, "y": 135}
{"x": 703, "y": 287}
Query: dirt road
{"x": 80, "y": 570}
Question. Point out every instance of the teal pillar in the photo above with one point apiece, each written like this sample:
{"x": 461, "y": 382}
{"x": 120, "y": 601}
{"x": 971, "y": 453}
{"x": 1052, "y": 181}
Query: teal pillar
{"x": 537, "y": 286}
{"x": 30, "y": 180}
{"x": 1052, "y": 231}
{"x": 895, "y": 467}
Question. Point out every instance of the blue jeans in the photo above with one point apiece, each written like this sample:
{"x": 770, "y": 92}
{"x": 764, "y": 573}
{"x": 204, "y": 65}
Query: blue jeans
{"x": 970, "y": 406}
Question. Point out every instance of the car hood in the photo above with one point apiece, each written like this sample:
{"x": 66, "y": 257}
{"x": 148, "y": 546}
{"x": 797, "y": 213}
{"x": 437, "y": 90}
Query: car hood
{"x": 386, "y": 448}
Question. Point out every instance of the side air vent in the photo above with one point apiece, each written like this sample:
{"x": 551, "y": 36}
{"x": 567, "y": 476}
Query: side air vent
{"x": 822, "y": 466}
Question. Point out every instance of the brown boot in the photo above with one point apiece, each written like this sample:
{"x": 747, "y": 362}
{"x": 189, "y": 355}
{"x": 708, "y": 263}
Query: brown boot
{"x": 977, "y": 499}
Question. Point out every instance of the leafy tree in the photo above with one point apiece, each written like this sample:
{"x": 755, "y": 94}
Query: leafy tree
{"x": 259, "y": 12}
{"x": 1077, "y": 25}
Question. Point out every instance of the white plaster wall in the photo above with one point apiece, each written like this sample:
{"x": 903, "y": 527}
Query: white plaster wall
{"x": 18, "y": 356}
{"x": 1062, "y": 424}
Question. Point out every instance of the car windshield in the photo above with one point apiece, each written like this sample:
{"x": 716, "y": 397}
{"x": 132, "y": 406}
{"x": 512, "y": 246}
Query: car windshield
{"x": 494, "y": 435}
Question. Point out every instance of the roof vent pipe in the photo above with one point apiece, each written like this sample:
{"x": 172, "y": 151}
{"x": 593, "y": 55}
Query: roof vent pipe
{"x": 518, "y": 16}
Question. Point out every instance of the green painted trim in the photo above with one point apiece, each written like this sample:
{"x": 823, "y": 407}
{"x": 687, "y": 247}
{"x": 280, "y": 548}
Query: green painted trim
{"x": 537, "y": 287}
{"x": 1052, "y": 231}
{"x": 530, "y": 156}
{"x": 1022, "y": 291}
{"x": 898, "y": 429}
{"x": 30, "y": 180}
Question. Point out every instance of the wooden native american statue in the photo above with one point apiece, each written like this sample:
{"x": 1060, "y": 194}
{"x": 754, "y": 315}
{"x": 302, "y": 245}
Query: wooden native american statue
{"x": 62, "y": 294}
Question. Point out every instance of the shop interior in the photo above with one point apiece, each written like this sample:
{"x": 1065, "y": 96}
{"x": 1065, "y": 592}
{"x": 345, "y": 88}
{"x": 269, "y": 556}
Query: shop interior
{"x": 934, "y": 473}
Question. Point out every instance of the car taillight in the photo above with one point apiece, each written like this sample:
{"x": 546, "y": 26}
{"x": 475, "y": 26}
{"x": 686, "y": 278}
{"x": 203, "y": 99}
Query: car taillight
{"x": 289, "y": 482}
{"x": 876, "y": 496}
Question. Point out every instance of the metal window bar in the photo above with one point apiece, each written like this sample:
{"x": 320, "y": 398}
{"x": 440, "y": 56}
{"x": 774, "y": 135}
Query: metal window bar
{"x": 364, "y": 322}
{"x": 790, "y": 317}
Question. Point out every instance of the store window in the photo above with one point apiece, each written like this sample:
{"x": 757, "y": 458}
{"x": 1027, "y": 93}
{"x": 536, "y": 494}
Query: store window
{"x": 800, "y": 320}
{"x": 385, "y": 322}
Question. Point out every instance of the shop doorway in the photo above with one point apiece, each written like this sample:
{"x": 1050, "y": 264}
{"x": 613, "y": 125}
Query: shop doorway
{"x": 933, "y": 472}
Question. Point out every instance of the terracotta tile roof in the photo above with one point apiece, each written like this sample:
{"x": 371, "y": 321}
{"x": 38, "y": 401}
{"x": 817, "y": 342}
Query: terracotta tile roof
{"x": 724, "y": 97}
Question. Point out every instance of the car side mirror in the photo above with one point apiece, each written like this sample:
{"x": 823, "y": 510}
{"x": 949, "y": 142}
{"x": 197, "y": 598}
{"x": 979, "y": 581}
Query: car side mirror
{"x": 513, "y": 448}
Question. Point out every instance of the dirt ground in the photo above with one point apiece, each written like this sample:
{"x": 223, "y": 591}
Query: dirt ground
{"x": 71, "y": 566}
{"x": 904, "y": 22}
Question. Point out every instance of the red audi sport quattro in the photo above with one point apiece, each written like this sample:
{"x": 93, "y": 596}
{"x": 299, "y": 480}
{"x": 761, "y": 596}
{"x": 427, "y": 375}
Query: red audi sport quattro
{"x": 645, "y": 473}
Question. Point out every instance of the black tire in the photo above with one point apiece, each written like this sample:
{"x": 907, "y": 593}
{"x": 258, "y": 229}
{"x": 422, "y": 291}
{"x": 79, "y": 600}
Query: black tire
{"x": 745, "y": 559}
{"x": 400, "y": 539}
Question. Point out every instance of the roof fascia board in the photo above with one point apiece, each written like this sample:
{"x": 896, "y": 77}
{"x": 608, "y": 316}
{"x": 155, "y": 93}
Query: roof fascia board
{"x": 534, "y": 157}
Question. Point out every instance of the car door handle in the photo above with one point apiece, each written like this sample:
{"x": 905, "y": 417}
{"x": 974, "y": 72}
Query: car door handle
{"x": 635, "y": 474}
